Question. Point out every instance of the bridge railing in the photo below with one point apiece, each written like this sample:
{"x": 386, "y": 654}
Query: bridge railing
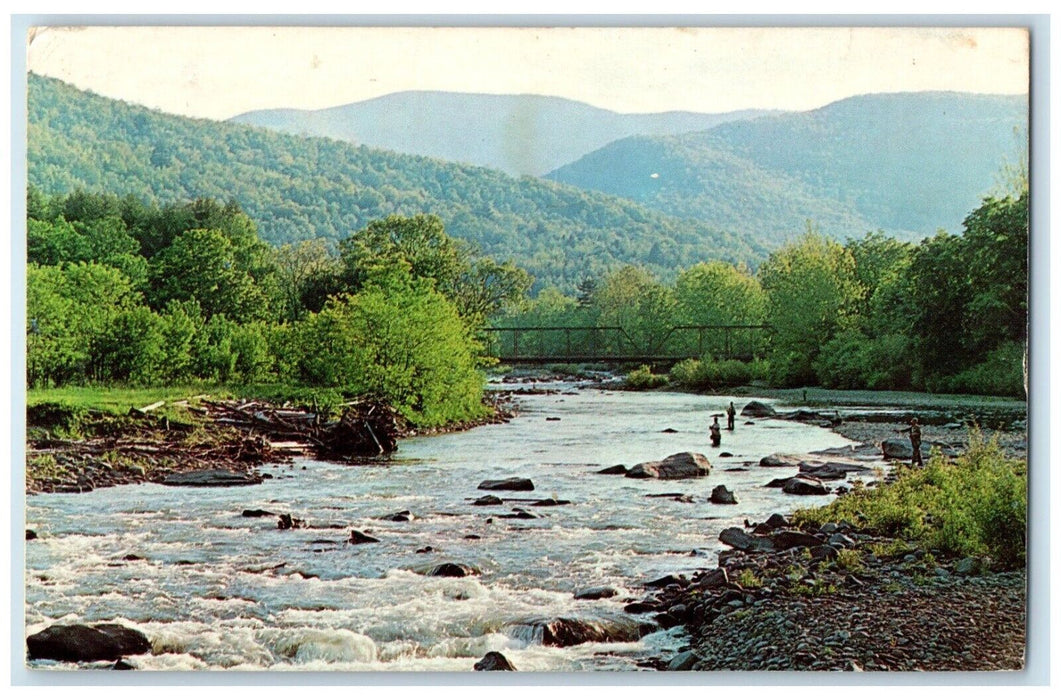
{"x": 604, "y": 343}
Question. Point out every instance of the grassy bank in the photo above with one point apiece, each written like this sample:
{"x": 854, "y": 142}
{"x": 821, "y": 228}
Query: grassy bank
{"x": 973, "y": 505}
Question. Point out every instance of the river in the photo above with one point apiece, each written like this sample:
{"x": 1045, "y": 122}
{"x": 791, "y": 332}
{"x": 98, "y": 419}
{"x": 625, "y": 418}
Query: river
{"x": 203, "y": 583}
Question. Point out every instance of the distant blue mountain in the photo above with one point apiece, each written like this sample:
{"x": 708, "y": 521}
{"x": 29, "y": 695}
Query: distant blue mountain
{"x": 519, "y": 134}
{"x": 907, "y": 163}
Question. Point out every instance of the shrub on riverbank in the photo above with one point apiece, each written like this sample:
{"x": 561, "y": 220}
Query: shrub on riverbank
{"x": 644, "y": 378}
{"x": 973, "y": 505}
{"x": 709, "y": 374}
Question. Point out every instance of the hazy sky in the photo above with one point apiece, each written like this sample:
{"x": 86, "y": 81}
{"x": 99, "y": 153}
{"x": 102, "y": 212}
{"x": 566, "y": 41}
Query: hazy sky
{"x": 218, "y": 72}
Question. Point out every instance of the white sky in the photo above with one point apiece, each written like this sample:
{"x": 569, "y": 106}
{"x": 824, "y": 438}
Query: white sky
{"x": 218, "y": 72}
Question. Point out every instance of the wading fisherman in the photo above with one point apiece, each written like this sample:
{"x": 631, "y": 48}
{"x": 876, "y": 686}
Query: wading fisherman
{"x": 731, "y": 414}
{"x": 716, "y": 433}
{"x": 915, "y": 441}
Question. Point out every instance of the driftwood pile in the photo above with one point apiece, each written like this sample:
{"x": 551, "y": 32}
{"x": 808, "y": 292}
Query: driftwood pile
{"x": 237, "y": 437}
{"x": 366, "y": 428}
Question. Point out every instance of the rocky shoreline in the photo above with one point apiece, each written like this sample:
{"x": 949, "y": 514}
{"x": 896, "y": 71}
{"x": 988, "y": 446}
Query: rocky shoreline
{"x": 838, "y": 599}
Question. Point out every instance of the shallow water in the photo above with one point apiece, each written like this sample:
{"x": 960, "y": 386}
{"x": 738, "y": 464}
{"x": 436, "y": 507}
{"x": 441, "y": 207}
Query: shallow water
{"x": 214, "y": 590}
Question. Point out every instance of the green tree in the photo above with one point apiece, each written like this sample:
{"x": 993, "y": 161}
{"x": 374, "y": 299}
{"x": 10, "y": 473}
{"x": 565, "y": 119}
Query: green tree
{"x": 203, "y": 264}
{"x": 811, "y": 293}
{"x": 404, "y": 344}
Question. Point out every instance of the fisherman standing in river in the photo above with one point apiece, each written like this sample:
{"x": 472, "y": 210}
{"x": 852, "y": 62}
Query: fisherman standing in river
{"x": 915, "y": 441}
{"x": 731, "y": 414}
{"x": 716, "y": 433}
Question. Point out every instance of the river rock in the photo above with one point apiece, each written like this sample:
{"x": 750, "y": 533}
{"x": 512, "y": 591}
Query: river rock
{"x": 122, "y": 665}
{"x": 571, "y": 631}
{"x": 787, "y": 539}
{"x": 776, "y": 460}
{"x": 494, "y": 661}
{"x": 596, "y": 593}
{"x": 399, "y": 517}
{"x": 512, "y": 484}
{"x": 104, "y": 642}
{"x": 451, "y": 570}
{"x": 489, "y": 500}
{"x": 739, "y": 539}
{"x": 519, "y": 514}
{"x": 722, "y": 495}
{"x": 286, "y": 522}
{"x": 802, "y": 485}
{"x": 617, "y": 469}
{"x": 898, "y": 448}
{"x": 683, "y": 661}
{"x": 840, "y": 541}
{"x": 777, "y": 520}
{"x": 716, "y": 578}
{"x": 31, "y": 535}
{"x": 358, "y": 537}
{"x": 668, "y": 580}
{"x": 757, "y": 409}
{"x": 257, "y": 513}
{"x": 548, "y": 502}
{"x": 683, "y": 465}
{"x": 211, "y": 477}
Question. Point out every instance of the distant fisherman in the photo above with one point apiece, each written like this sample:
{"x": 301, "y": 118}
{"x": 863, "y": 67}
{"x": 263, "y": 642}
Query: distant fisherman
{"x": 731, "y": 414}
{"x": 915, "y": 441}
{"x": 716, "y": 433}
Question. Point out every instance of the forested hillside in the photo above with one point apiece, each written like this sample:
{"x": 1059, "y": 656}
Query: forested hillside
{"x": 908, "y": 164}
{"x": 301, "y": 188}
{"x": 520, "y": 134}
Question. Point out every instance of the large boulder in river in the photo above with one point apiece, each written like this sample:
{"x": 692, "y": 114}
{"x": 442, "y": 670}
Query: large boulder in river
{"x": 451, "y": 570}
{"x": 684, "y": 465}
{"x": 212, "y": 477}
{"x": 722, "y": 495}
{"x": 105, "y": 642}
{"x": 757, "y": 409}
{"x": 571, "y": 631}
{"x": 494, "y": 661}
{"x": 512, "y": 484}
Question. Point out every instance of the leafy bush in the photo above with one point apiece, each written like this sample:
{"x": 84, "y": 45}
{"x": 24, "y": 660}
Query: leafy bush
{"x": 1000, "y": 374}
{"x": 975, "y": 504}
{"x": 709, "y": 374}
{"x": 643, "y": 378}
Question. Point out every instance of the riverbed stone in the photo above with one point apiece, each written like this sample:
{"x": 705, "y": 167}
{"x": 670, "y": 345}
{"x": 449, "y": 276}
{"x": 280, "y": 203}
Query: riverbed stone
{"x": 494, "y": 661}
{"x": 103, "y": 642}
{"x": 616, "y": 469}
{"x": 778, "y": 460}
{"x": 488, "y": 500}
{"x": 571, "y": 631}
{"x": 358, "y": 537}
{"x": 596, "y": 593}
{"x": 787, "y": 539}
{"x": 453, "y": 570}
{"x": 722, "y": 495}
{"x": 510, "y": 484}
{"x": 739, "y": 539}
{"x": 257, "y": 513}
{"x": 757, "y": 409}
{"x": 683, "y": 465}
{"x": 803, "y": 485}
{"x": 683, "y": 661}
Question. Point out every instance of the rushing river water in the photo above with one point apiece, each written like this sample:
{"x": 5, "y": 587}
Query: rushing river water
{"x": 206, "y": 586}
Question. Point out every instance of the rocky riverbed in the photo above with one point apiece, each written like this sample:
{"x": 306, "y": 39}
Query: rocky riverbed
{"x": 850, "y": 602}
